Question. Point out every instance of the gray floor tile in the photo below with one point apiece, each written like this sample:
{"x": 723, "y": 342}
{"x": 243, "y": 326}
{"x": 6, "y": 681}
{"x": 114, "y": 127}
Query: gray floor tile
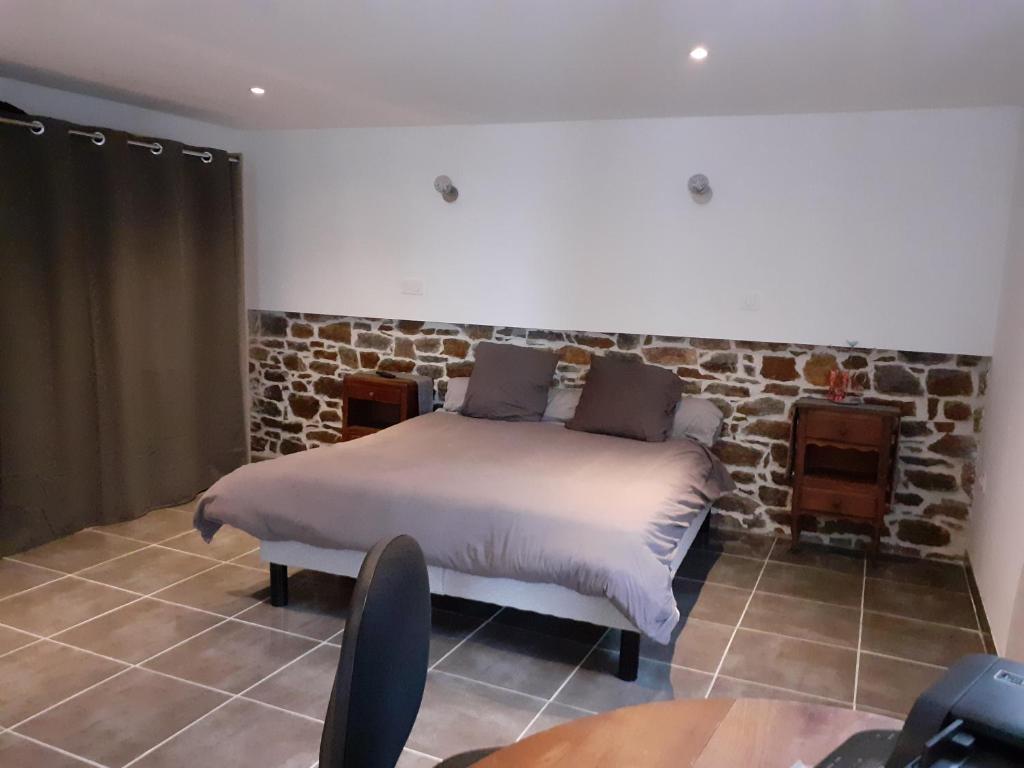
{"x": 10, "y": 639}
{"x": 892, "y": 685}
{"x": 410, "y": 759}
{"x": 738, "y": 543}
{"x": 917, "y": 640}
{"x": 137, "y": 631}
{"x": 303, "y": 687}
{"x": 528, "y": 662}
{"x": 720, "y": 568}
{"x": 78, "y": 551}
{"x": 804, "y": 619}
{"x": 120, "y": 719}
{"x": 709, "y": 602}
{"x": 447, "y": 630}
{"x": 730, "y": 688}
{"x": 227, "y": 543}
{"x": 16, "y": 577}
{"x": 811, "y": 584}
{"x": 797, "y": 665}
{"x": 231, "y": 657}
{"x": 595, "y": 687}
{"x": 250, "y": 560}
{"x": 226, "y": 590}
{"x": 458, "y": 715}
{"x": 241, "y": 734}
{"x": 147, "y": 570}
{"x": 59, "y": 605}
{"x": 40, "y": 675}
{"x": 317, "y": 606}
{"x": 811, "y": 554}
{"x": 813, "y": 595}
{"x": 18, "y": 752}
{"x": 924, "y": 603}
{"x": 923, "y": 573}
{"x": 885, "y": 712}
{"x": 695, "y": 644}
{"x": 155, "y": 526}
{"x": 555, "y": 714}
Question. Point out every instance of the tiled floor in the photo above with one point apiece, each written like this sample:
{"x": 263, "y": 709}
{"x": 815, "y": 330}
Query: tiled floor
{"x": 138, "y": 645}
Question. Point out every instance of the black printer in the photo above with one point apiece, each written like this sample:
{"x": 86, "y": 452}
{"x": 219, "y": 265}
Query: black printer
{"x": 972, "y": 718}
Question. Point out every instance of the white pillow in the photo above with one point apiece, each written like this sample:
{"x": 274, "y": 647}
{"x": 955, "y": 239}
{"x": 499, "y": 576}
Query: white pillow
{"x": 698, "y": 419}
{"x": 562, "y": 404}
{"x": 456, "y": 394}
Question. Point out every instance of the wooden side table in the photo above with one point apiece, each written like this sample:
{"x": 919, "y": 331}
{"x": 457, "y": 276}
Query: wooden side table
{"x": 843, "y": 460}
{"x": 712, "y": 733}
{"x": 370, "y": 403}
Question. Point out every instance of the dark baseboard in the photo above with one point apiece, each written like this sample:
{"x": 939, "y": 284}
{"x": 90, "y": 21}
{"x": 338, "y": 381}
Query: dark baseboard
{"x": 986, "y": 628}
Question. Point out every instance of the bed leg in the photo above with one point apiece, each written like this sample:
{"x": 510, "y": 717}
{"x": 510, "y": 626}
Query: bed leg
{"x": 629, "y": 655}
{"x": 703, "y": 538}
{"x": 278, "y": 585}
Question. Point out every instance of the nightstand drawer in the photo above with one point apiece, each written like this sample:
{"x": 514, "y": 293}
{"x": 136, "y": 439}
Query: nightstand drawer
{"x": 837, "y": 503}
{"x": 844, "y": 427}
{"x": 360, "y": 389}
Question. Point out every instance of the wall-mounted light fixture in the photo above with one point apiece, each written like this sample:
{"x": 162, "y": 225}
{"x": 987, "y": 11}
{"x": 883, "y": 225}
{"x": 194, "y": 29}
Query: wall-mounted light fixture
{"x": 447, "y": 190}
{"x": 700, "y": 188}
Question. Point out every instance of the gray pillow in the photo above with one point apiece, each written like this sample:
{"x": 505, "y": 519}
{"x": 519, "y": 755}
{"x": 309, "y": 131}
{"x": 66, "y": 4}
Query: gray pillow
{"x": 627, "y": 398}
{"x": 509, "y": 383}
{"x": 698, "y": 419}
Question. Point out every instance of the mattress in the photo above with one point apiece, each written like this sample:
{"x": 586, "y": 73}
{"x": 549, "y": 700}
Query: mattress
{"x": 535, "y": 502}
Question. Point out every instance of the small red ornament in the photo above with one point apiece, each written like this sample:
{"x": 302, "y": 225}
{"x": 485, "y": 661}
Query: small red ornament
{"x": 838, "y": 385}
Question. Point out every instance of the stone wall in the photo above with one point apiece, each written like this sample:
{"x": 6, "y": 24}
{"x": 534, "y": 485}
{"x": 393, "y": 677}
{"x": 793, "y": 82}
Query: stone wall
{"x": 297, "y": 362}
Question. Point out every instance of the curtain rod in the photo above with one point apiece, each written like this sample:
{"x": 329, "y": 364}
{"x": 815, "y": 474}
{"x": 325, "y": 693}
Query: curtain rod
{"x": 100, "y": 139}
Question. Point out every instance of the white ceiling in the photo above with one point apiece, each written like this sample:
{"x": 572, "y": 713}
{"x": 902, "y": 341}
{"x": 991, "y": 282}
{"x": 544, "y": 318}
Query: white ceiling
{"x": 332, "y": 63}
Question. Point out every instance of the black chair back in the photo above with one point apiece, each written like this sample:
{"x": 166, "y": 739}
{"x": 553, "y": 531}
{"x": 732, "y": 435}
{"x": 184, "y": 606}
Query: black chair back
{"x": 383, "y": 667}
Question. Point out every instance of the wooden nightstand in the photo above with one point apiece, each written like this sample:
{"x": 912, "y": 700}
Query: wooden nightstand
{"x": 371, "y": 403}
{"x": 842, "y": 462}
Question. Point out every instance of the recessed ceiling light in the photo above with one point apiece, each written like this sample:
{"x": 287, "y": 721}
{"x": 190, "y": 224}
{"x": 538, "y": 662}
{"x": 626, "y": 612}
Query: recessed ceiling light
{"x": 699, "y": 53}
{"x": 257, "y": 91}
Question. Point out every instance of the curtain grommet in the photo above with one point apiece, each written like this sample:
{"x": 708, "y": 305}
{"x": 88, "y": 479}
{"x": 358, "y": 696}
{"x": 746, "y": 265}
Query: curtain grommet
{"x": 37, "y": 128}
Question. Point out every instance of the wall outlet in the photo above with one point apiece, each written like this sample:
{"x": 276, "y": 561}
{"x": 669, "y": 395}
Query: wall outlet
{"x": 750, "y": 301}
{"x": 412, "y": 287}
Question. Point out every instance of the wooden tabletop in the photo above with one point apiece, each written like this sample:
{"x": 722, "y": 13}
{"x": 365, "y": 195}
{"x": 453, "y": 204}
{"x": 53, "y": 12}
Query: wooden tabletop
{"x": 713, "y": 733}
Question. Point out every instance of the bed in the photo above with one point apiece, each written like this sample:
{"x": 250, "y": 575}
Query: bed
{"x": 529, "y": 515}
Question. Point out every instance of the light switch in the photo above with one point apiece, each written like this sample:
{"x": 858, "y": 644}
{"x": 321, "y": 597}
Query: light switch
{"x": 412, "y": 287}
{"x": 750, "y": 302}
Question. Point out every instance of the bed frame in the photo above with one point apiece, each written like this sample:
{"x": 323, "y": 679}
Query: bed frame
{"x": 550, "y": 599}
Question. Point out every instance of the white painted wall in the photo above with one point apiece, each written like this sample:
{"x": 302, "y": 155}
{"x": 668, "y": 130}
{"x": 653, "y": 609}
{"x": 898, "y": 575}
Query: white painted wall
{"x": 887, "y": 227}
{"x": 88, "y": 110}
{"x": 997, "y": 519}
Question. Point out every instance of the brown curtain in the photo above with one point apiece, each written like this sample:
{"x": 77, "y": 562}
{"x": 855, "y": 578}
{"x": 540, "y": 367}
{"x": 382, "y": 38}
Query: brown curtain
{"x": 121, "y": 308}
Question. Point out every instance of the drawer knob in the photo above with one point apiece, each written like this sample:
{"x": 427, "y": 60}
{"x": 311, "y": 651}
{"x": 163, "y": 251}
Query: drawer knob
{"x": 372, "y": 393}
{"x": 837, "y": 504}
